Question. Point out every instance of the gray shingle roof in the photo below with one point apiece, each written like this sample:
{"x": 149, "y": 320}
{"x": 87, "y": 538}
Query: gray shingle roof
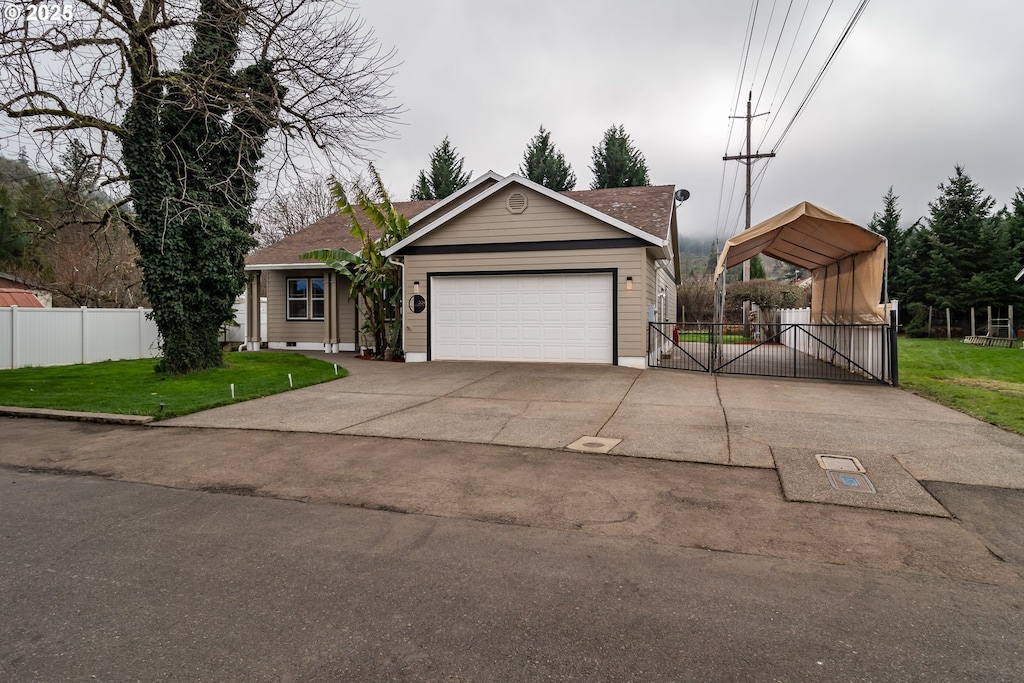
{"x": 647, "y": 208}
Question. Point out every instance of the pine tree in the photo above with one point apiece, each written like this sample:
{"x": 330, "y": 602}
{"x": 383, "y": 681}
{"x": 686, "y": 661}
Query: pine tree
{"x": 616, "y": 163}
{"x": 14, "y": 233}
{"x": 445, "y": 177}
{"x": 544, "y": 164}
{"x": 757, "y": 271}
{"x": 963, "y": 245}
{"x": 887, "y": 224}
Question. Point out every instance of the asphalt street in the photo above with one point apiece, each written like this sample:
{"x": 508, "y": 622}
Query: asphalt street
{"x": 113, "y": 581}
{"x": 432, "y": 522}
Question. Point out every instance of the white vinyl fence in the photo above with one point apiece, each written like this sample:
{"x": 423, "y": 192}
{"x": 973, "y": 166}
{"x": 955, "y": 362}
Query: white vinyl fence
{"x": 66, "y": 336}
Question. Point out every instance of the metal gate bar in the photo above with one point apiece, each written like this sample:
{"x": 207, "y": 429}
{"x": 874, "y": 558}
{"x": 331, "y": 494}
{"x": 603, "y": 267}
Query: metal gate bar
{"x": 863, "y": 353}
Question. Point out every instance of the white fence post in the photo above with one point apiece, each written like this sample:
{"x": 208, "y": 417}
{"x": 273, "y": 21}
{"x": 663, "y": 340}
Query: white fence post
{"x": 85, "y": 336}
{"x": 15, "y": 339}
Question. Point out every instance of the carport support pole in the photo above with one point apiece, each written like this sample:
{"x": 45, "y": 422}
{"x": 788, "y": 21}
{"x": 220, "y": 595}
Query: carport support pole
{"x": 973, "y": 333}
{"x": 949, "y": 330}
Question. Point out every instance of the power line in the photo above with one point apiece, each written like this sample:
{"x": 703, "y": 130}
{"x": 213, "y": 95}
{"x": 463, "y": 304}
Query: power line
{"x": 741, "y": 72}
{"x": 821, "y": 74}
{"x": 799, "y": 68}
{"x": 771, "y": 62}
{"x": 785, "y": 68}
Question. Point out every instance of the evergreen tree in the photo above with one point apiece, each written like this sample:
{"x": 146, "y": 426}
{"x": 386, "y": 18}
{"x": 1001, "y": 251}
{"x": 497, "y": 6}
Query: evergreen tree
{"x": 14, "y": 234}
{"x": 963, "y": 246}
{"x": 757, "y": 271}
{"x": 445, "y": 177}
{"x": 78, "y": 171}
{"x": 616, "y": 163}
{"x": 544, "y": 164}
{"x": 887, "y": 224}
{"x": 1014, "y": 226}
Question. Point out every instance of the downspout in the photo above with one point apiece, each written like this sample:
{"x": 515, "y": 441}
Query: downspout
{"x": 401, "y": 311}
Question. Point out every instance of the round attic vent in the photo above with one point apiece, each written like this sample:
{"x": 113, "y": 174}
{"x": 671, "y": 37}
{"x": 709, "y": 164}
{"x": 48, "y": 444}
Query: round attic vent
{"x": 516, "y": 202}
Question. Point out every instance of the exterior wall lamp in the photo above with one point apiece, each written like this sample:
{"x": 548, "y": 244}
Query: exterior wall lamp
{"x": 629, "y": 282}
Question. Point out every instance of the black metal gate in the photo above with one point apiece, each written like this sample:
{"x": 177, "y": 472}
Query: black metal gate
{"x": 859, "y": 353}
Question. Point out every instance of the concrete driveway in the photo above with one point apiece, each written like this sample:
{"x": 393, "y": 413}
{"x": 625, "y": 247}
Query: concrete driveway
{"x": 899, "y": 438}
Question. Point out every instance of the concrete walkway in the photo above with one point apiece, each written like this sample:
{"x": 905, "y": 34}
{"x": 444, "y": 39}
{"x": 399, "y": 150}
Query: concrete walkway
{"x": 900, "y": 439}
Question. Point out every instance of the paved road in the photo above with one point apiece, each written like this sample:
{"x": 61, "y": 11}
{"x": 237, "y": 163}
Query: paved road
{"x": 357, "y": 553}
{"x": 114, "y": 581}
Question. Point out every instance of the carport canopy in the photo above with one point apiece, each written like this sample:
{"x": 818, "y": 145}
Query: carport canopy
{"x": 846, "y": 261}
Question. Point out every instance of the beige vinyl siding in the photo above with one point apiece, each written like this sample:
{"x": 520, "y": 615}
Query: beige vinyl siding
{"x": 544, "y": 219}
{"x": 630, "y": 262}
{"x": 280, "y": 329}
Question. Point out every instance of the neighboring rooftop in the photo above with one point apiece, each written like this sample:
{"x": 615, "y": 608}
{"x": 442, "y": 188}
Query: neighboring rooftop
{"x": 23, "y": 298}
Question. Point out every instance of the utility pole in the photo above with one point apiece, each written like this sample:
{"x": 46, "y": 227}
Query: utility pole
{"x": 748, "y": 159}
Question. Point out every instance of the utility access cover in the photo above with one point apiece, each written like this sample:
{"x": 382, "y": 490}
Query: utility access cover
{"x": 843, "y": 463}
{"x": 594, "y": 444}
{"x": 850, "y": 481}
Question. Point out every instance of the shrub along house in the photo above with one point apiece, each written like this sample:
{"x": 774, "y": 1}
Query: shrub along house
{"x": 505, "y": 269}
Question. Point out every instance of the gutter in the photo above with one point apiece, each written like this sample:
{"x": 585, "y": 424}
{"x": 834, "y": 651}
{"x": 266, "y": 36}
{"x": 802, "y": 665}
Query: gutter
{"x": 401, "y": 314}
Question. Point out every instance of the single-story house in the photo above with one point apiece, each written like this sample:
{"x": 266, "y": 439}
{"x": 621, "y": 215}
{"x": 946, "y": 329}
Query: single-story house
{"x": 505, "y": 269}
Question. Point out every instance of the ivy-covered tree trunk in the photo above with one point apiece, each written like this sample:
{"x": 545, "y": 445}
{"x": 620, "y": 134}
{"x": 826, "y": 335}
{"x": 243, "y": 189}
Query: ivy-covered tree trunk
{"x": 192, "y": 145}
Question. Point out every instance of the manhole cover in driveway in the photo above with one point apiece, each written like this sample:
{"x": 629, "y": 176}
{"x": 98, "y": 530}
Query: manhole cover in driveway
{"x": 850, "y": 481}
{"x": 594, "y": 444}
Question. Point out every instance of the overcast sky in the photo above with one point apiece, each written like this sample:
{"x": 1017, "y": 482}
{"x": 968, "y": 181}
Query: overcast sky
{"x": 918, "y": 87}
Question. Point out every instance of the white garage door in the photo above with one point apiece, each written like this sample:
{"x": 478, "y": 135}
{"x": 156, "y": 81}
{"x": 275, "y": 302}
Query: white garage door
{"x": 558, "y": 318}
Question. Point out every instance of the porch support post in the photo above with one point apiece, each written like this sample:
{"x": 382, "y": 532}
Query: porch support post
{"x": 335, "y": 312}
{"x": 252, "y": 303}
{"x": 328, "y": 310}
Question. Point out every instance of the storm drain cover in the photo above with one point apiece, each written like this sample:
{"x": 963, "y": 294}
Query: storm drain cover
{"x": 850, "y": 481}
{"x": 843, "y": 463}
{"x": 594, "y": 444}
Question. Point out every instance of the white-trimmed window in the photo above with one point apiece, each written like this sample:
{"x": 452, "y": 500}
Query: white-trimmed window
{"x": 305, "y": 298}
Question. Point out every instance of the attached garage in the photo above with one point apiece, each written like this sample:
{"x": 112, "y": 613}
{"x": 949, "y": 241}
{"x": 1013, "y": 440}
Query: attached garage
{"x": 508, "y": 270}
{"x": 557, "y": 317}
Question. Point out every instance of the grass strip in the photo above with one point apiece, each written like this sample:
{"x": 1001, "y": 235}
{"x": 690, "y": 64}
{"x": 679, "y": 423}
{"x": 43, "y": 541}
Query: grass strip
{"x": 983, "y": 381}
{"x": 133, "y": 387}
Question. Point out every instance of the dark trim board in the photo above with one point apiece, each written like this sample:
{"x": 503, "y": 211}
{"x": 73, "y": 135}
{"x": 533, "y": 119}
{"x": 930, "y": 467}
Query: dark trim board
{"x": 613, "y": 272}
{"x": 503, "y": 247}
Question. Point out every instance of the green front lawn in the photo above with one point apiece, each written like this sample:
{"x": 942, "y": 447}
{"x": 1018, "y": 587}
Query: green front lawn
{"x": 132, "y": 387}
{"x": 703, "y": 337}
{"x": 985, "y": 382}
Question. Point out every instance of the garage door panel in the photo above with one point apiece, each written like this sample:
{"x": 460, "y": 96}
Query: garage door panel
{"x": 551, "y": 318}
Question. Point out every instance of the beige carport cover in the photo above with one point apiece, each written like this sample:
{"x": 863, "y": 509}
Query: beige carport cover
{"x": 846, "y": 261}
